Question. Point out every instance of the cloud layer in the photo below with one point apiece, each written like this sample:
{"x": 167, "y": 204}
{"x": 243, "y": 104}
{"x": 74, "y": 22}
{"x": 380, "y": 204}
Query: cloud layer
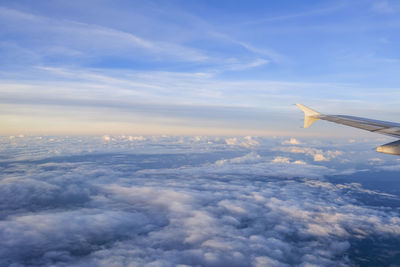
{"x": 164, "y": 201}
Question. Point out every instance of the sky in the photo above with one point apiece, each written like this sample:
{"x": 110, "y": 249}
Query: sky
{"x": 165, "y": 133}
{"x": 195, "y": 67}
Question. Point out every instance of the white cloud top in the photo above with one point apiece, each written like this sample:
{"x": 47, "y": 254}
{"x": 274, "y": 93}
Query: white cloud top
{"x": 181, "y": 201}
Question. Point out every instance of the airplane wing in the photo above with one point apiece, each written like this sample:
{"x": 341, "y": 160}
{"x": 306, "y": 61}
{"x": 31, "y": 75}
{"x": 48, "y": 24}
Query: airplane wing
{"x": 382, "y": 127}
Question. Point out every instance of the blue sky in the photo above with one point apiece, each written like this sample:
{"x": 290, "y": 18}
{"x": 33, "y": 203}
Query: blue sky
{"x": 195, "y": 67}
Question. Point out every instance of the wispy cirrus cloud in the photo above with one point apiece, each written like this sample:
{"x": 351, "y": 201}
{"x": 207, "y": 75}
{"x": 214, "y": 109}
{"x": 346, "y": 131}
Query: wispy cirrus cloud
{"x": 88, "y": 40}
{"x": 88, "y": 43}
{"x": 384, "y": 7}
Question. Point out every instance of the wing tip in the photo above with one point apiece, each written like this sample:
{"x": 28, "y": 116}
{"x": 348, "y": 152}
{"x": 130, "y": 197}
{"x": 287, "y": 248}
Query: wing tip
{"x": 310, "y": 115}
{"x": 307, "y": 111}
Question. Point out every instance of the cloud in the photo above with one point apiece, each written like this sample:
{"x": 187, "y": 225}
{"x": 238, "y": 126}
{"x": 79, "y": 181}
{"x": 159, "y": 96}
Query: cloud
{"x": 174, "y": 201}
{"x": 376, "y": 160}
{"x": 247, "y": 141}
{"x": 77, "y": 36}
{"x": 317, "y": 154}
{"x": 106, "y": 138}
{"x": 320, "y": 157}
{"x": 71, "y": 39}
{"x": 308, "y": 13}
{"x": 46, "y": 236}
{"x": 281, "y": 160}
{"x": 291, "y": 141}
{"x": 383, "y": 6}
{"x": 248, "y": 158}
{"x": 136, "y": 138}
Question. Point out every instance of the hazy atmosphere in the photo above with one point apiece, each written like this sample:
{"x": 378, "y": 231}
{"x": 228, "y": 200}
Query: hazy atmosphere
{"x": 194, "y": 67}
{"x": 165, "y": 133}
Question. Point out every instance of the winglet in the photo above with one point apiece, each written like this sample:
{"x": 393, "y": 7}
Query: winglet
{"x": 310, "y": 115}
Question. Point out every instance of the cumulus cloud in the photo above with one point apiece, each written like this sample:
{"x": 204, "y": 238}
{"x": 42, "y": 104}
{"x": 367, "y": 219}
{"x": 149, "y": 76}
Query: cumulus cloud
{"x": 317, "y": 154}
{"x": 106, "y": 138}
{"x": 248, "y": 158}
{"x": 291, "y": 141}
{"x": 247, "y": 141}
{"x": 136, "y": 138}
{"x": 166, "y": 202}
{"x": 281, "y": 160}
{"x": 320, "y": 157}
{"x": 376, "y": 160}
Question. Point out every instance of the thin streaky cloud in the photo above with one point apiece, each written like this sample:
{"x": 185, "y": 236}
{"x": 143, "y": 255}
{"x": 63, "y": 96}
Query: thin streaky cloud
{"x": 83, "y": 35}
{"x": 309, "y": 13}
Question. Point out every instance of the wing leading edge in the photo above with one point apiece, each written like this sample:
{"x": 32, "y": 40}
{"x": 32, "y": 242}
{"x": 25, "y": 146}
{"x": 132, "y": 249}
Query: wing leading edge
{"x": 382, "y": 127}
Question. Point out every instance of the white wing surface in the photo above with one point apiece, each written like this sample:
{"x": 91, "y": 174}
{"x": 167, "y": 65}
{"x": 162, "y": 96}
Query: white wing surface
{"x": 382, "y": 127}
